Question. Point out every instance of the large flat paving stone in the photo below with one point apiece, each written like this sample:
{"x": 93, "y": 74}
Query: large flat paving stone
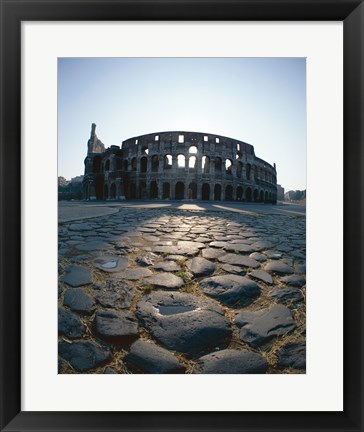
{"x": 176, "y": 250}
{"x": 261, "y": 276}
{"x": 147, "y": 357}
{"x": 232, "y": 290}
{"x": 259, "y": 327}
{"x": 293, "y": 355}
{"x": 212, "y": 253}
{"x": 232, "y": 362}
{"x": 118, "y": 328}
{"x": 182, "y": 322}
{"x": 167, "y": 266}
{"x": 78, "y": 300}
{"x": 286, "y": 295}
{"x": 84, "y": 356}
{"x": 201, "y": 267}
{"x": 76, "y": 276}
{"x": 240, "y": 260}
{"x": 69, "y": 324}
{"x": 111, "y": 263}
{"x": 294, "y": 280}
{"x": 278, "y": 267}
{"x": 92, "y": 245}
{"x": 164, "y": 280}
{"x": 115, "y": 294}
{"x": 136, "y": 273}
{"x": 239, "y": 247}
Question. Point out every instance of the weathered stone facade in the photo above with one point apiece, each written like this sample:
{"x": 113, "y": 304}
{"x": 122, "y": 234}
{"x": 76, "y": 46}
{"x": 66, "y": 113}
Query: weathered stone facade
{"x": 178, "y": 165}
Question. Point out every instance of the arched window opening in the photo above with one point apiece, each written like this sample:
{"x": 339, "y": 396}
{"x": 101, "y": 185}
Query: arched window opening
{"x": 228, "y": 166}
{"x": 205, "y": 192}
{"x": 125, "y": 165}
{"x": 193, "y": 150}
{"x": 205, "y": 164}
{"x": 168, "y": 161}
{"x": 248, "y": 194}
{"x": 239, "y": 169}
{"x": 261, "y": 196}
{"x": 113, "y": 191}
{"x": 192, "y": 191}
{"x": 218, "y": 164}
{"x": 145, "y": 150}
{"x": 228, "y": 193}
{"x": 107, "y": 165}
{"x": 155, "y": 163}
{"x": 256, "y": 195}
{"x": 192, "y": 163}
{"x": 238, "y": 155}
{"x": 143, "y": 164}
{"x": 106, "y": 192}
{"x": 181, "y": 161}
{"x": 134, "y": 164}
{"x": 153, "y": 190}
{"x": 248, "y": 169}
{"x": 142, "y": 190}
{"x": 266, "y": 196}
{"x": 239, "y": 193}
{"x": 217, "y": 192}
{"x": 180, "y": 191}
{"x": 119, "y": 164}
{"x": 166, "y": 191}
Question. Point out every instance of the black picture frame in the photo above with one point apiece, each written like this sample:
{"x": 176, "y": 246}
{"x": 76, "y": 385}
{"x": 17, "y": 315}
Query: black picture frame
{"x": 12, "y": 14}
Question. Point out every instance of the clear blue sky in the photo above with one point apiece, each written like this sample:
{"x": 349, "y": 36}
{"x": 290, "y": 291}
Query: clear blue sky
{"x": 261, "y": 101}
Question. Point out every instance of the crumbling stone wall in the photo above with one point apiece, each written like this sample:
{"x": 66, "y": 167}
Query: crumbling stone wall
{"x": 180, "y": 165}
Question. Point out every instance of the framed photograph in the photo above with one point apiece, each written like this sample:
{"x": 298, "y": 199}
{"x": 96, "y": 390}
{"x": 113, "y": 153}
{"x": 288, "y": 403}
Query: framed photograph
{"x": 181, "y": 282}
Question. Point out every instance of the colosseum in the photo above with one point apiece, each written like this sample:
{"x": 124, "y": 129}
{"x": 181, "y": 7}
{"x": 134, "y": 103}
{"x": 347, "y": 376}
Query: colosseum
{"x": 177, "y": 165}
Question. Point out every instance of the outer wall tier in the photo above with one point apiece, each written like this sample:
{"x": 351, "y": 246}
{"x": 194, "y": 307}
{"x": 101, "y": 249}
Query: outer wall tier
{"x": 180, "y": 165}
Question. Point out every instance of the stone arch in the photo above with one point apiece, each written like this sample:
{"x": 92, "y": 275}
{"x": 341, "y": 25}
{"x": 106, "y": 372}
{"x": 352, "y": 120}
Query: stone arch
{"x": 125, "y": 165}
{"x": 193, "y": 149}
{"x": 239, "y": 169}
{"x": 205, "y": 191}
{"x": 256, "y": 195}
{"x": 166, "y": 191}
{"x": 142, "y": 190}
{"x": 248, "y": 194}
{"x": 248, "y": 170}
{"x": 181, "y": 161}
{"x": 119, "y": 164}
{"x": 145, "y": 150}
{"x": 266, "y": 196}
{"x": 218, "y": 164}
{"x": 228, "y": 193}
{"x": 132, "y": 190}
{"x": 217, "y": 192}
{"x": 205, "y": 164}
{"x": 155, "y": 163}
{"x": 97, "y": 164}
{"x": 107, "y": 165}
{"x": 228, "y": 166}
{"x": 192, "y": 163}
{"x": 192, "y": 190}
{"x": 180, "y": 191}
{"x": 106, "y": 192}
{"x": 167, "y": 161}
{"x": 113, "y": 191}
{"x": 134, "y": 164}
{"x": 153, "y": 190}
{"x": 261, "y": 196}
{"x": 143, "y": 164}
{"x": 99, "y": 183}
{"x": 239, "y": 193}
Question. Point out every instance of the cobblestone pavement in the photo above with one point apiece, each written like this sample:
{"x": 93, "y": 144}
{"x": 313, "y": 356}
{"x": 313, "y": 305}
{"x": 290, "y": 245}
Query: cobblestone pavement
{"x": 182, "y": 290}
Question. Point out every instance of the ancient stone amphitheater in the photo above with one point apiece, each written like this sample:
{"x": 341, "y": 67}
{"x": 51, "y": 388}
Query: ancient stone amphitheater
{"x": 178, "y": 165}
